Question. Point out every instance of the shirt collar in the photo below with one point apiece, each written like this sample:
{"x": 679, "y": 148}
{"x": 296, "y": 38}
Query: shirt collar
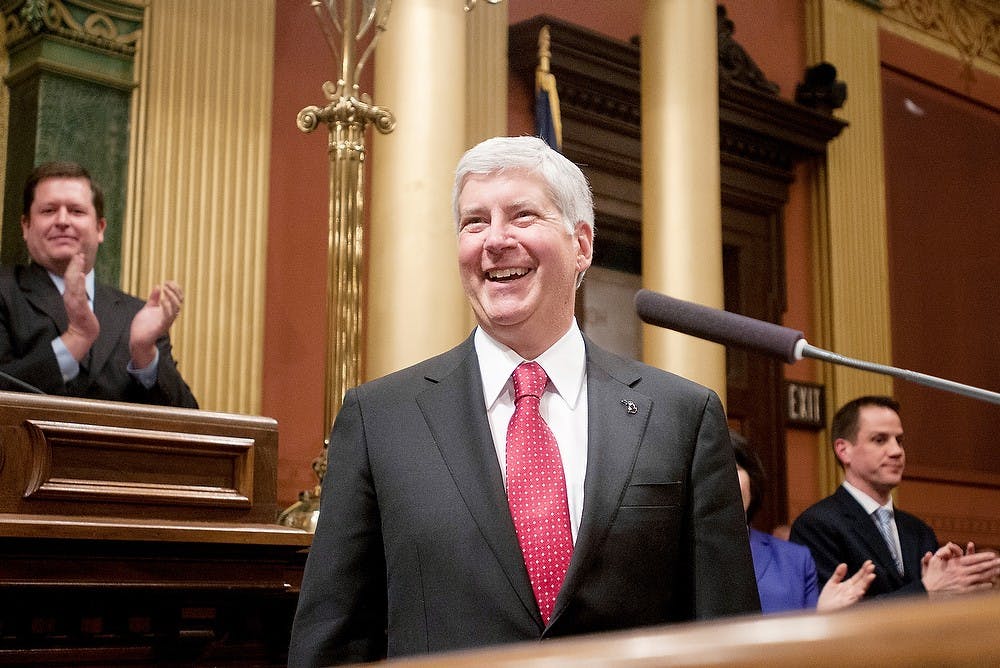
{"x": 61, "y": 284}
{"x": 868, "y": 503}
{"x": 564, "y": 363}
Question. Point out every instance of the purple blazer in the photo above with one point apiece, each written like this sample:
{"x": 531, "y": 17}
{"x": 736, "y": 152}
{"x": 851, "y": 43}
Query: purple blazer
{"x": 786, "y": 573}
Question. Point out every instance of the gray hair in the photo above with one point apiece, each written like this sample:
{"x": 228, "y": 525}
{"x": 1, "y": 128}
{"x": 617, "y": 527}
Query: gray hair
{"x": 566, "y": 184}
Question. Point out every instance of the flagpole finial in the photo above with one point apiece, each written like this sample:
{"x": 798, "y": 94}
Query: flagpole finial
{"x": 548, "y": 121}
{"x": 544, "y": 49}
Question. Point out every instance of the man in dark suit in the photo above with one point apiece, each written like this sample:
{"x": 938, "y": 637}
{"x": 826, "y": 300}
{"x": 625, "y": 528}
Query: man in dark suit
{"x": 867, "y": 438}
{"x": 63, "y": 332}
{"x": 425, "y": 539}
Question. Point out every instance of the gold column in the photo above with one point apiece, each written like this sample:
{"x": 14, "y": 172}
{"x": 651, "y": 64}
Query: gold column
{"x": 852, "y": 287}
{"x": 352, "y": 35}
{"x": 198, "y": 185}
{"x": 416, "y": 306}
{"x": 681, "y": 201}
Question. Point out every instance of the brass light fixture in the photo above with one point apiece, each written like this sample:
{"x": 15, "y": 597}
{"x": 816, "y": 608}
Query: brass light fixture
{"x": 350, "y": 27}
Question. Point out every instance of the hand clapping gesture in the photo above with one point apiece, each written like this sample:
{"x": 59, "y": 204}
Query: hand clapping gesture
{"x": 154, "y": 321}
{"x": 83, "y": 326}
{"x": 840, "y": 593}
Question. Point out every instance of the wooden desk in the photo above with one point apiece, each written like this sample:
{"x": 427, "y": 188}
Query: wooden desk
{"x": 137, "y": 535}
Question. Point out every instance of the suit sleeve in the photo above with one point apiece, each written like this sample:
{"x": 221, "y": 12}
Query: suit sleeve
{"x": 170, "y": 388}
{"x": 811, "y": 584}
{"x": 341, "y": 614}
{"x": 724, "y": 581}
{"x": 822, "y": 540}
{"x": 27, "y": 357}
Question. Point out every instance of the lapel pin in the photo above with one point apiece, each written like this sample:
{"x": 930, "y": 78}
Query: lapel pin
{"x": 630, "y": 407}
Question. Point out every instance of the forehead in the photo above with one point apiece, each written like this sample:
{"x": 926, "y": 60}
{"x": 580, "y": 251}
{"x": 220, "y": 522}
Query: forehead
{"x": 878, "y": 419}
{"x": 63, "y": 188}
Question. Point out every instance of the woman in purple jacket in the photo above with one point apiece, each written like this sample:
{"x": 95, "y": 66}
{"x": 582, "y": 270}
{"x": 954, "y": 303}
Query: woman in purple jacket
{"x": 786, "y": 572}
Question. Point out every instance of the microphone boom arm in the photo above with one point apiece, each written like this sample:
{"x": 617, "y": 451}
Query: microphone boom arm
{"x": 804, "y": 349}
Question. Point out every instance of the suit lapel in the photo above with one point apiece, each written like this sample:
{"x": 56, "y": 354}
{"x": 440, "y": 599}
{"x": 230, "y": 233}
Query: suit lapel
{"x": 866, "y": 532}
{"x": 617, "y": 418}
{"x": 454, "y": 411}
{"x": 43, "y": 294}
{"x": 114, "y": 320}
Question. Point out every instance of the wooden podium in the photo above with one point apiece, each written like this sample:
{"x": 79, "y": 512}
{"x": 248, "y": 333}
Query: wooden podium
{"x": 138, "y": 535}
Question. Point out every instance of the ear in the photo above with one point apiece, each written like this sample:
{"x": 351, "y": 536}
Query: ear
{"x": 584, "y": 235}
{"x": 101, "y": 224}
{"x": 842, "y": 448}
{"x": 25, "y": 224}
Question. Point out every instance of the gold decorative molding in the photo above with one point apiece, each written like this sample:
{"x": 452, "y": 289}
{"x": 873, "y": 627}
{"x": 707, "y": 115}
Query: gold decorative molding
{"x": 970, "y": 27}
{"x": 112, "y": 26}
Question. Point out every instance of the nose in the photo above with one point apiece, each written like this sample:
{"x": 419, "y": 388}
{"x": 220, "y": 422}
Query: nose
{"x": 498, "y": 236}
{"x": 62, "y": 216}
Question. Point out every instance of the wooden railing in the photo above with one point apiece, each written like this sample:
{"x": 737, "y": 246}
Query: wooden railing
{"x": 960, "y": 631}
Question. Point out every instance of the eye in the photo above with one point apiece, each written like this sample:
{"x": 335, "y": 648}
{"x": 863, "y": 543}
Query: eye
{"x": 472, "y": 225}
{"x": 525, "y": 217}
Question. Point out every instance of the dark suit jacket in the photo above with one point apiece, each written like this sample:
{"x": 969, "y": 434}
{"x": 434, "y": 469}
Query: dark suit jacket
{"x": 786, "y": 573}
{"x": 415, "y": 550}
{"x": 32, "y": 314}
{"x": 837, "y": 530}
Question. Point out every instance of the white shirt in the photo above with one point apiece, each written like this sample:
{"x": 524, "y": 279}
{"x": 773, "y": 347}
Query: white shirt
{"x": 563, "y": 404}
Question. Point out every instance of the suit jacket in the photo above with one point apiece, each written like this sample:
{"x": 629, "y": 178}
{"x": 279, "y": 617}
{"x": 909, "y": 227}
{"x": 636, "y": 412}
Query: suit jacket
{"x": 415, "y": 549}
{"x": 786, "y": 573}
{"x": 32, "y": 313}
{"x": 838, "y": 530}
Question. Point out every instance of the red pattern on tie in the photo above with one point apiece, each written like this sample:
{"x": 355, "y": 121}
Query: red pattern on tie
{"x": 536, "y": 490}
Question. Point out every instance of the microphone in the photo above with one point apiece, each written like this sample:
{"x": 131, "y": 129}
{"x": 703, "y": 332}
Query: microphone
{"x": 17, "y": 382}
{"x": 739, "y": 331}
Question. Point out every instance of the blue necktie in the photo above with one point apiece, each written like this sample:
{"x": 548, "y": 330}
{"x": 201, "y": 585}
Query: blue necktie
{"x": 883, "y": 520}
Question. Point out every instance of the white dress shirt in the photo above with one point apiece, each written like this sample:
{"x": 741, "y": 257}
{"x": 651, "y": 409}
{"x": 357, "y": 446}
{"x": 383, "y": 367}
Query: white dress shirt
{"x": 563, "y": 404}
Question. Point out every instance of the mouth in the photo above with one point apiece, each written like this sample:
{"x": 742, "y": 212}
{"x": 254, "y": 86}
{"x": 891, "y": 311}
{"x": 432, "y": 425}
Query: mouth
{"x": 506, "y": 275}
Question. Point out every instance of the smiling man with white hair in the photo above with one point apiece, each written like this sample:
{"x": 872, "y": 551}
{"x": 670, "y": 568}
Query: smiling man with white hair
{"x": 526, "y": 484}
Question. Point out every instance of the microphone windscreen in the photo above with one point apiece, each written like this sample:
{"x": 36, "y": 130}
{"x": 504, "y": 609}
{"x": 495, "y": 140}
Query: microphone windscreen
{"x": 711, "y": 324}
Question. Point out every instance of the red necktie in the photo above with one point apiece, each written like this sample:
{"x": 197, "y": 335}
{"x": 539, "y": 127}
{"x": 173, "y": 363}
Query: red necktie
{"x": 536, "y": 490}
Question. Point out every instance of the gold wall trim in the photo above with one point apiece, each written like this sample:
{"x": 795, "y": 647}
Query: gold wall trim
{"x": 486, "y": 73}
{"x": 968, "y": 30}
{"x": 850, "y": 231}
{"x": 199, "y": 186}
{"x": 111, "y": 26}
{"x": 485, "y": 81}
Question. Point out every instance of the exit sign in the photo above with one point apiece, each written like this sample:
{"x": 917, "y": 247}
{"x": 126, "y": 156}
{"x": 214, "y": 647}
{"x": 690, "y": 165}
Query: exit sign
{"x": 804, "y": 405}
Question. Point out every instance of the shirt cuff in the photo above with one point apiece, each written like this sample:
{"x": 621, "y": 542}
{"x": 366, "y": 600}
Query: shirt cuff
{"x": 147, "y": 375}
{"x": 69, "y": 367}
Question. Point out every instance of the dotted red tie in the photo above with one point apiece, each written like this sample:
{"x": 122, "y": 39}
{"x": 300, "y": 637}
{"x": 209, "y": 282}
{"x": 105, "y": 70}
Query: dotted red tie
{"x": 536, "y": 490}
